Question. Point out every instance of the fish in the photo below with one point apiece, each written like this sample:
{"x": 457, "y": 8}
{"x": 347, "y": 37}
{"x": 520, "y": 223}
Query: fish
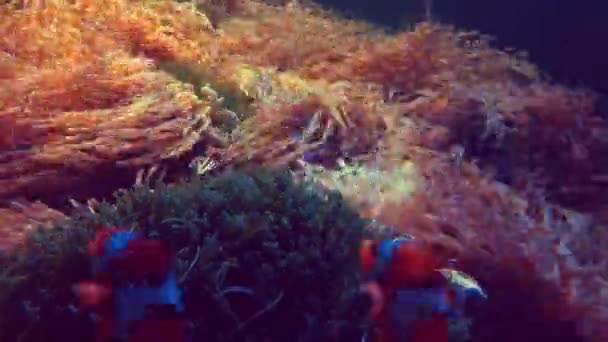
{"x": 412, "y": 298}
{"x": 463, "y": 282}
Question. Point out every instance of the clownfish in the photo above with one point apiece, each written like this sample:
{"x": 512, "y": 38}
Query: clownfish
{"x": 412, "y": 296}
{"x": 135, "y": 291}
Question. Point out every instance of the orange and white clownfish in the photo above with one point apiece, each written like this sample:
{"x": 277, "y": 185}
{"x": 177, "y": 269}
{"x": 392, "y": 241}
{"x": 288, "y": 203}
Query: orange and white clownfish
{"x": 412, "y": 295}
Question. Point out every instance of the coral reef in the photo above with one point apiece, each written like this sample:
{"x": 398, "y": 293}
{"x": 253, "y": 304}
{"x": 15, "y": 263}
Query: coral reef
{"x": 448, "y": 139}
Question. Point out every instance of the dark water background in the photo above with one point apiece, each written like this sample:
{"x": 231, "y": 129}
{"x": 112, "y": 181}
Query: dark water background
{"x": 566, "y": 38}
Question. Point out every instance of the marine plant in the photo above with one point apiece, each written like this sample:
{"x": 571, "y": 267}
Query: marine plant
{"x": 368, "y": 188}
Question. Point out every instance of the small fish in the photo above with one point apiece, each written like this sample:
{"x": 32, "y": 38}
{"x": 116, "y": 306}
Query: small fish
{"x": 463, "y": 281}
